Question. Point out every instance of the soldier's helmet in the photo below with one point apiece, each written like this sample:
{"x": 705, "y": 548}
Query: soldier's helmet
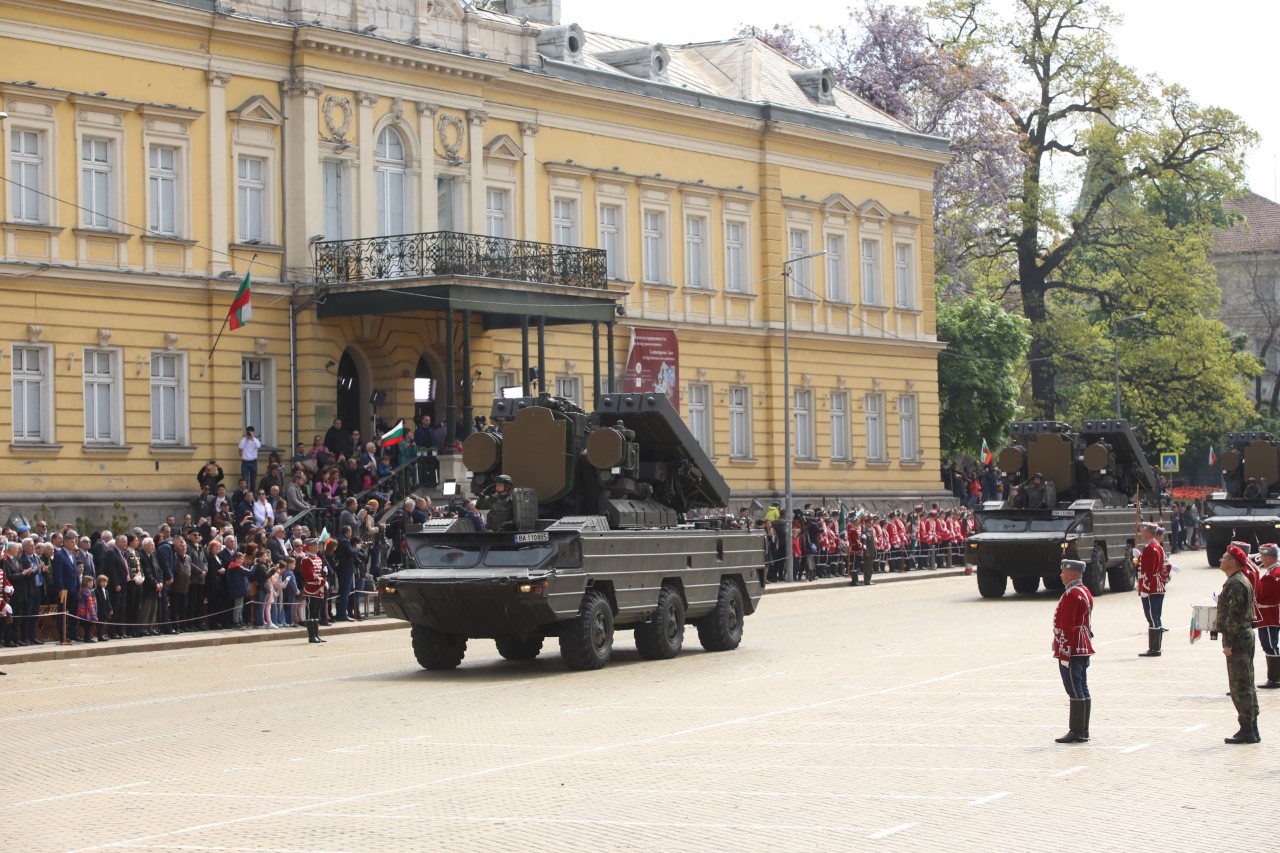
{"x": 1037, "y": 476}
{"x": 504, "y": 480}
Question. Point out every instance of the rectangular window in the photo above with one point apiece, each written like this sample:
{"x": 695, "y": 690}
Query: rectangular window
{"x": 162, "y": 188}
{"x": 564, "y": 222}
{"x": 837, "y": 271}
{"x": 740, "y": 421}
{"x": 798, "y": 247}
{"x": 251, "y": 197}
{"x": 903, "y": 278}
{"x": 872, "y": 294}
{"x": 611, "y": 239}
{"x": 874, "y": 406}
{"x": 804, "y": 424}
{"x": 101, "y": 390}
{"x": 909, "y": 428}
{"x": 495, "y": 213}
{"x": 840, "y": 425}
{"x": 26, "y": 172}
{"x": 335, "y": 201}
{"x": 168, "y": 398}
{"x": 700, "y": 413}
{"x": 95, "y": 183}
{"x": 696, "y": 273}
{"x": 735, "y": 257}
{"x": 569, "y": 387}
{"x": 32, "y": 390}
{"x": 447, "y": 200}
{"x": 655, "y": 247}
{"x": 504, "y": 379}
{"x": 255, "y": 395}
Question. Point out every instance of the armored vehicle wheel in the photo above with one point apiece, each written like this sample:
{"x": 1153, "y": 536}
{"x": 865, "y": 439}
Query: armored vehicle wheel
{"x": 1214, "y": 552}
{"x": 436, "y": 650}
{"x": 1026, "y": 586}
{"x": 663, "y": 635}
{"x": 991, "y": 584}
{"x": 1053, "y": 582}
{"x": 587, "y": 640}
{"x": 721, "y": 629}
{"x": 519, "y": 648}
{"x": 1095, "y": 574}
{"x": 1123, "y": 578}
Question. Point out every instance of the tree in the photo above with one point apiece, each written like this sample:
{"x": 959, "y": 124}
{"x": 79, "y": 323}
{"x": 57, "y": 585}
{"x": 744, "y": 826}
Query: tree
{"x": 977, "y": 383}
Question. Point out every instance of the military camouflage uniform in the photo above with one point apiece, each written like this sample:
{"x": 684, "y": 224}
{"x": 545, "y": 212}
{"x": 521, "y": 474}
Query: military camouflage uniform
{"x": 1235, "y": 624}
{"x": 502, "y": 515}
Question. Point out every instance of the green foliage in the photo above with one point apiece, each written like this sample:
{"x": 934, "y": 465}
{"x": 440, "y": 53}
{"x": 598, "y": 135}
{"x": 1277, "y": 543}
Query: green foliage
{"x": 977, "y": 382}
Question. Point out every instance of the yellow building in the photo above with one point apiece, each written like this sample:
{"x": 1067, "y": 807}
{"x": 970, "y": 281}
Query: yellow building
{"x": 417, "y": 188}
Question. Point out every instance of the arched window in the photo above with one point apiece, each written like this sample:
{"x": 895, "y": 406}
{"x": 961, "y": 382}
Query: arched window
{"x": 391, "y": 183}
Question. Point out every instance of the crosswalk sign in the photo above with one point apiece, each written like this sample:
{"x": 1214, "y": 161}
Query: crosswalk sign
{"x": 1168, "y": 463}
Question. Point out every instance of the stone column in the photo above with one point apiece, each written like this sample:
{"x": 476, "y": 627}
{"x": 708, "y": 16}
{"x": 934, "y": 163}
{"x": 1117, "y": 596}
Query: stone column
{"x": 367, "y": 209}
{"x": 427, "y": 133}
{"x": 475, "y": 138}
{"x": 219, "y": 188}
{"x": 529, "y": 182}
{"x": 301, "y": 193}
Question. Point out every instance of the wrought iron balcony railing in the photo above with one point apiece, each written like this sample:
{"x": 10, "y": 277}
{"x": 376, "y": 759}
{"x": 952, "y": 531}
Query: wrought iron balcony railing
{"x": 447, "y": 253}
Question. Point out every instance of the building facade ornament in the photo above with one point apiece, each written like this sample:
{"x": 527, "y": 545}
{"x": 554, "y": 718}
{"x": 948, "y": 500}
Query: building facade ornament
{"x": 366, "y": 99}
{"x": 452, "y": 135}
{"x": 304, "y": 88}
{"x": 33, "y": 333}
{"x": 477, "y": 117}
{"x": 217, "y": 78}
{"x": 529, "y": 128}
{"x": 171, "y": 340}
{"x": 104, "y": 337}
{"x": 337, "y": 117}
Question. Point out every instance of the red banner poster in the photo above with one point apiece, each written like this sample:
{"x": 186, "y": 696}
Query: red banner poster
{"x": 653, "y": 364}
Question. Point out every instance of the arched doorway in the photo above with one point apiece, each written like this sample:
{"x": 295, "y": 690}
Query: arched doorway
{"x": 354, "y": 385}
{"x": 424, "y": 393}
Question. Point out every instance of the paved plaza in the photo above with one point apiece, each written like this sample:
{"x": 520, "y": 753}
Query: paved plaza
{"x": 908, "y": 716}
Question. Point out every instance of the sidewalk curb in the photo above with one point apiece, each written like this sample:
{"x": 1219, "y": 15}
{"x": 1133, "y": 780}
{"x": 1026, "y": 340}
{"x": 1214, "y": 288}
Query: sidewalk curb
{"x": 189, "y": 641}
{"x": 843, "y": 583}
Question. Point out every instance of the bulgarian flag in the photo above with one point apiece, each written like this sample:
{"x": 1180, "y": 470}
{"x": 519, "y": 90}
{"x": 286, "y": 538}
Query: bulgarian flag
{"x": 986, "y": 453}
{"x": 395, "y": 436}
{"x": 1213, "y": 457}
{"x": 242, "y": 306}
{"x": 324, "y": 536}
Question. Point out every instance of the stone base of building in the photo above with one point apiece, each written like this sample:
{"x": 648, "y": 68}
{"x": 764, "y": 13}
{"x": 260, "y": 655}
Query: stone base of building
{"x": 96, "y": 512}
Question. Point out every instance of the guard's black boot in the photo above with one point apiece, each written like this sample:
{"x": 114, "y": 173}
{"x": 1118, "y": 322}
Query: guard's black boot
{"x": 1248, "y": 732}
{"x": 1154, "y": 638}
{"x": 1273, "y": 673}
{"x": 313, "y": 632}
{"x": 1079, "y": 725}
{"x": 1088, "y": 712}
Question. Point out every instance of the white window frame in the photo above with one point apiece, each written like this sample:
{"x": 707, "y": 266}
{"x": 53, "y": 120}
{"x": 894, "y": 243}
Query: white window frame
{"x": 870, "y": 265}
{"x": 697, "y": 258}
{"x": 837, "y": 267}
{"x": 496, "y": 216}
{"x": 24, "y": 380}
{"x": 569, "y": 387}
{"x": 451, "y": 202}
{"x": 504, "y": 379}
{"x": 699, "y": 396}
{"x": 251, "y": 198}
{"x": 841, "y": 445}
{"x": 334, "y": 197}
{"x": 98, "y": 182}
{"x": 113, "y": 384}
{"x": 165, "y": 185}
{"x": 613, "y": 237}
{"x": 909, "y": 427}
{"x": 390, "y": 172}
{"x": 802, "y": 423}
{"x": 169, "y": 390}
{"x": 737, "y": 256}
{"x": 873, "y": 409}
{"x": 265, "y": 385}
{"x": 29, "y": 173}
{"x": 801, "y": 272}
{"x": 904, "y": 285}
{"x": 564, "y": 221}
{"x": 655, "y": 246}
{"x": 739, "y": 406}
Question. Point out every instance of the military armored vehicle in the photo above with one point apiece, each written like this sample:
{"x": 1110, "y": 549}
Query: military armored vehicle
{"x": 592, "y": 538}
{"x": 1248, "y": 508}
{"x": 1081, "y": 508}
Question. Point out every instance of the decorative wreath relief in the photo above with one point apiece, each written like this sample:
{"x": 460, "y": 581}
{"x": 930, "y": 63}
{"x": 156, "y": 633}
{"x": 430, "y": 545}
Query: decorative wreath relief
{"x": 337, "y": 130}
{"x": 451, "y": 133}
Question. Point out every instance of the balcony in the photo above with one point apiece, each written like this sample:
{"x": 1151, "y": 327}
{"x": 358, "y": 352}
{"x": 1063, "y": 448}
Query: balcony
{"x": 450, "y": 254}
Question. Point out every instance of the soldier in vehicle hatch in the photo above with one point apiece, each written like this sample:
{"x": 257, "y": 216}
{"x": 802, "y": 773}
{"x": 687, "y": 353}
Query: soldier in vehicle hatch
{"x": 1034, "y": 493}
{"x": 502, "y": 515}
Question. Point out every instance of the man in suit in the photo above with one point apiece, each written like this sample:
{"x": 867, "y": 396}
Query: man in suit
{"x": 113, "y": 565}
{"x": 66, "y": 583}
{"x": 277, "y": 544}
{"x": 345, "y": 557}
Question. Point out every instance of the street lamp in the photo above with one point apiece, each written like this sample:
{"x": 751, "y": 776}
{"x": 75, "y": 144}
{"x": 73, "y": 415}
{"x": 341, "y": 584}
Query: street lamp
{"x": 786, "y": 396}
{"x": 1115, "y": 347}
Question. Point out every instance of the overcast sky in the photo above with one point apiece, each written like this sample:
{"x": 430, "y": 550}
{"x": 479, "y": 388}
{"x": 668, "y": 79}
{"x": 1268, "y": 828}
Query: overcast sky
{"x": 1224, "y": 52}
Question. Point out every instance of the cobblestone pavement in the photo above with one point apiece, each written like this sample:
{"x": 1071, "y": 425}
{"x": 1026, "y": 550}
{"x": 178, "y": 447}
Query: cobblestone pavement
{"x": 906, "y": 717}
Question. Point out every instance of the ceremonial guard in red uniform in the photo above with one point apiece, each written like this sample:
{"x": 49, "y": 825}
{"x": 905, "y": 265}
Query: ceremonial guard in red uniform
{"x": 313, "y": 587}
{"x": 1152, "y": 576}
{"x": 853, "y": 532}
{"x": 1267, "y": 607}
{"x": 896, "y": 528}
{"x": 1072, "y": 647}
{"x": 883, "y": 544}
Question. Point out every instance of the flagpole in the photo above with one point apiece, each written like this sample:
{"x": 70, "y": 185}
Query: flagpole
{"x": 226, "y": 319}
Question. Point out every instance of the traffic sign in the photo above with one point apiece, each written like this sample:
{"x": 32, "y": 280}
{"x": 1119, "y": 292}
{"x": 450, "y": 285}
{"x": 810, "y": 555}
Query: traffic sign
{"x": 1168, "y": 463}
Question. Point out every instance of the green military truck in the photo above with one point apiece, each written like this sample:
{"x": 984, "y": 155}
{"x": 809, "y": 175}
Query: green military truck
{"x": 1248, "y": 507}
{"x": 597, "y": 541}
{"x": 1075, "y": 500}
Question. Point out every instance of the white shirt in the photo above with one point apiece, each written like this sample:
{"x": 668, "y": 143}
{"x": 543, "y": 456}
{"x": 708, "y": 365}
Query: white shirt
{"x": 249, "y": 449}
{"x": 262, "y": 514}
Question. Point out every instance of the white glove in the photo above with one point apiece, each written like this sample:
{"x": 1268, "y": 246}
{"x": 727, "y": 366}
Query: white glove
{"x": 8, "y": 590}
{"x": 1137, "y": 552}
{"x": 8, "y": 611}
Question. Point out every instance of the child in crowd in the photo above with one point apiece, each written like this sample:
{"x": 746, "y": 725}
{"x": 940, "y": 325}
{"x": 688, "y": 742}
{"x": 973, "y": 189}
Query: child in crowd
{"x": 103, "y": 598}
{"x": 88, "y": 609}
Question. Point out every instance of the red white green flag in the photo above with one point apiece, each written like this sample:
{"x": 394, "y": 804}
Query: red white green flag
{"x": 1213, "y": 457}
{"x": 395, "y": 436}
{"x": 986, "y": 453}
{"x": 242, "y": 306}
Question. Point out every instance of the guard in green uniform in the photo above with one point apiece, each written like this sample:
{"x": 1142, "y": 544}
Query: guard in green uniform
{"x": 1235, "y": 624}
{"x": 502, "y": 514}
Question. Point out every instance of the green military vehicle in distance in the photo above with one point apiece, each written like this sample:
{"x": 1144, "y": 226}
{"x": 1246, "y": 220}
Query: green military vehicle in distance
{"x": 1075, "y": 501}
{"x": 1248, "y": 507}
{"x": 592, "y": 538}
